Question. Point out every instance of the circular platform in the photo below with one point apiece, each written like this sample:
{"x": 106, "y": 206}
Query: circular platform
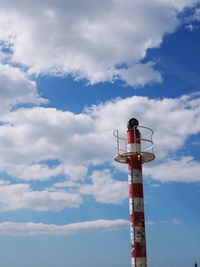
{"x": 123, "y": 158}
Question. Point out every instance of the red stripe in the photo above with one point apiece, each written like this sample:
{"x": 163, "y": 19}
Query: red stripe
{"x": 134, "y": 162}
{"x": 138, "y": 219}
{"x": 132, "y": 251}
{"x": 135, "y": 190}
{"x": 137, "y": 162}
{"x": 133, "y": 136}
{"x": 140, "y": 249}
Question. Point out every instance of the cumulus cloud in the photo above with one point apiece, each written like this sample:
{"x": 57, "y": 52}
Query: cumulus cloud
{"x": 105, "y": 189}
{"x": 41, "y": 172}
{"x": 52, "y": 135}
{"x": 164, "y": 116}
{"x": 196, "y": 15}
{"x": 16, "y": 88}
{"x": 30, "y": 137}
{"x": 186, "y": 169}
{"x": 139, "y": 74}
{"x": 21, "y": 196}
{"x": 66, "y": 184}
{"x": 88, "y": 39}
{"x": 35, "y": 229}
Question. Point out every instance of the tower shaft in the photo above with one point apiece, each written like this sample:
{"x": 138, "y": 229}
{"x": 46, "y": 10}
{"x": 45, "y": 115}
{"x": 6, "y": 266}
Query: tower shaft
{"x": 136, "y": 207}
{"x": 136, "y": 202}
{"x": 138, "y": 149}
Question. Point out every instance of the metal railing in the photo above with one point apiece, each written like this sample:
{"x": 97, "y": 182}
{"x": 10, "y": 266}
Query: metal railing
{"x": 146, "y": 141}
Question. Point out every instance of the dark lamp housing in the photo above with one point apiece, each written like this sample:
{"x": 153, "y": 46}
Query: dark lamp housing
{"x": 132, "y": 123}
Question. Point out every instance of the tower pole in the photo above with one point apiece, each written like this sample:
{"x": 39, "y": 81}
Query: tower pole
{"x": 135, "y": 156}
{"x": 136, "y": 203}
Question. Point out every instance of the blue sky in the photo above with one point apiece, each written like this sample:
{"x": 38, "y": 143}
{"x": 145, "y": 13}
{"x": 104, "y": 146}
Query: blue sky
{"x": 70, "y": 73}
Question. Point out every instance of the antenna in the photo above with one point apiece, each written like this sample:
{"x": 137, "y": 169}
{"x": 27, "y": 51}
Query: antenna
{"x": 134, "y": 150}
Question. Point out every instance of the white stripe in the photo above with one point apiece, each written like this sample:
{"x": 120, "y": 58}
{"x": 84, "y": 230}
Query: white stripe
{"x": 141, "y": 262}
{"x": 131, "y": 206}
{"x": 139, "y": 234}
{"x": 132, "y": 234}
{"x": 129, "y": 177}
{"x": 138, "y": 204}
{"x": 137, "y": 176}
{"x": 134, "y": 147}
{"x": 132, "y": 262}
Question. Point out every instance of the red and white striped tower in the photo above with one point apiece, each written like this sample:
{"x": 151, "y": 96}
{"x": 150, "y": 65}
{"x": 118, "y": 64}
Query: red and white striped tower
{"x": 134, "y": 157}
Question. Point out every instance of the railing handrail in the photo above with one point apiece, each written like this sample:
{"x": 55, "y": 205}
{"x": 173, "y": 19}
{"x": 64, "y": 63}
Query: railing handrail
{"x": 146, "y": 139}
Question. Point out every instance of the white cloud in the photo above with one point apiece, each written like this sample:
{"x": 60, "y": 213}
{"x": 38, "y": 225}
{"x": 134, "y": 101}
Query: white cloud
{"x": 180, "y": 4}
{"x": 21, "y": 196}
{"x": 139, "y": 74}
{"x": 33, "y": 171}
{"x": 42, "y": 172}
{"x": 38, "y": 229}
{"x": 32, "y": 136}
{"x": 196, "y": 15}
{"x": 42, "y": 134}
{"x": 66, "y": 184}
{"x": 186, "y": 169}
{"x": 105, "y": 189}
{"x": 172, "y": 221}
{"x": 88, "y": 39}
{"x": 164, "y": 116}
{"x": 16, "y": 88}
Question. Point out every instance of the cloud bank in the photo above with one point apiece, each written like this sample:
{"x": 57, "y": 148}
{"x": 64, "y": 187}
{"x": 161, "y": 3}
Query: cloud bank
{"x": 38, "y": 229}
{"x": 41, "y": 229}
{"x": 105, "y": 189}
{"x": 93, "y": 40}
{"x": 31, "y": 137}
{"x": 22, "y": 196}
{"x": 16, "y": 88}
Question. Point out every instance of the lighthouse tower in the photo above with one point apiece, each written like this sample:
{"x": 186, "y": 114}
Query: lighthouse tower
{"x": 134, "y": 150}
